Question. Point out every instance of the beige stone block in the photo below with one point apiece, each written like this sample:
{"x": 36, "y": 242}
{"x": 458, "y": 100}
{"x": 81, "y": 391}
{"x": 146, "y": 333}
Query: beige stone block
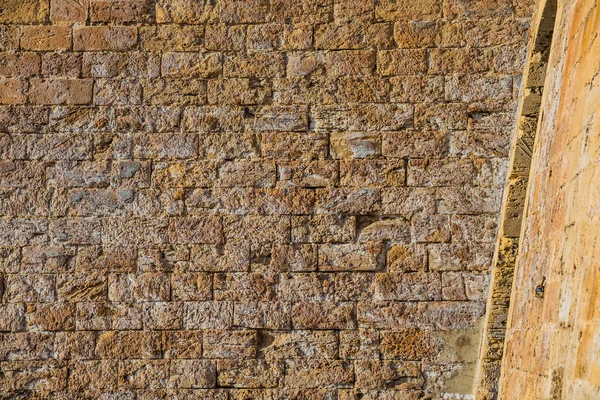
{"x": 104, "y": 38}
{"x": 19, "y": 12}
{"x": 192, "y": 374}
{"x": 60, "y": 91}
{"x": 318, "y": 373}
{"x": 13, "y": 91}
{"x": 323, "y": 315}
{"x": 64, "y": 11}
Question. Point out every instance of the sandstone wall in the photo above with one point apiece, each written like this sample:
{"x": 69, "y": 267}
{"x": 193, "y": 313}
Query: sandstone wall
{"x": 258, "y": 199}
{"x": 553, "y": 343}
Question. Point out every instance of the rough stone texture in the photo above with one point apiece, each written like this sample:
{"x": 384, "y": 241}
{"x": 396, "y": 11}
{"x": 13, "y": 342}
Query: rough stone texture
{"x": 259, "y": 199}
{"x": 513, "y": 205}
{"x": 553, "y": 343}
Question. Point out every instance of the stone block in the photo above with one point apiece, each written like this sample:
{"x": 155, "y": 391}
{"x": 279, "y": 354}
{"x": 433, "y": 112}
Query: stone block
{"x": 323, "y": 315}
{"x": 104, "y": 38}
{"x": 208, "y": 315}
{"x": 192, "y": 374}
{"x": 234, "y": 344}
{"x": 46, "y": 38}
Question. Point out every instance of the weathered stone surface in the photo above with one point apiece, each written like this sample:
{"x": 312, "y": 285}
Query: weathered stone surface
{"x": 249, "y": 373}
{"x": 258, "y": 199}
{"x": 235, "y": 344}
{"x": 301, "y": 344}
{"x": 322, "y": 373}
{"x": 350, "y": 257}
{"x": 263, "y": 315}
{"x": 208, "y": 315}
{"x": 323, "y": 315}
{"x": 192, "y": 374}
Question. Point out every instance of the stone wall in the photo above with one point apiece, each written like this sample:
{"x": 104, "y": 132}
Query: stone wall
{"x": 258, "y": 199}
{"x": 553, "y": 343}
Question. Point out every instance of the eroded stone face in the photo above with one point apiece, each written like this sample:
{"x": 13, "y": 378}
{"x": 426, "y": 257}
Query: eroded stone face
{"x": 284, "y": 199}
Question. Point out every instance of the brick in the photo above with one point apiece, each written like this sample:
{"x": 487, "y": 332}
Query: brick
{"x": 51, "y": 316}
{"x": 45, "y": 38}
{"x": 64, "y": 11}
{"x": 391, "y": 374}
{"x": 93, "y": 374}
{"x": 323, "y": 315}
{"x": 83, "y": 174}
{"x": 212, "y": 119}
{"x": 24, "y": 346}
{"x": 142, "y": 287}
{"x": 293, "y": 145}
{"x": 234, "y": 344}
{"x": 346, "y": 10}
{"x": 184, "y": 344}
{"x": 297, "y": 11}
{"x": 362, "y": 89}
{"x": 13, "y": 91}
{"x": 478, "y": 88}
{"x": 407, "y": 287}
{"x": 263, "y": 315}
{"x": 208, "y": 315}
{"x": 353, "y": 36}
{"x": 13, "y": 317}
{"x": 249, "y": 373}
{"x": 174, "y": 91}
{"x": 74, "y": 345}
{"x": 113, "y": 92}
{"x": 192, "y": 374}
{"x": 386, "y": 117}
{"x": 401, "y": 62}
{"x": 73, "y": 288}
{"x": 347, "y": 201}
{"x": 320, "y": 373}
{"x": 394, "y": 230}
{"x": 30, "y": 288}
{"x": 355, "y": 145}
{"x": 191, "y": 286}
{"x": 281, "y": 119}
{"x": 113, "y": 65}
{"x": 345, "y": 62}
{"x": 129, "y": 344}
{"x": 19, "y": 64}
{"x": 61, "y": 91}
{"x": 160, "y": 316}
{"x": 225, "y": 37}
{"x": 406, "y": 9}
{"x": 415, "y": 144}
{"x": 239, "y": 91}
{"x": 152, "y": 374}
{"x": 406, "y": 257}
{"x": 477, "y": 9}
{"x": 61, "y": 65}
{"x": 416, "y": 88}
{"x": 121, "y": 12}
{"x": 185, "y": 12}
{"x": 191, "y": 65}
{"x": 165, "y": 146}
{"x": 359, "y": 344}
{"x": 302, "y": 344}
{"x": 24, "y": 12}
{"x": 459, "y": 60}
{"x": 99, "y": 38}
{"x": 350, "y": 257}
{"x": 261, "y": 65}
{"x": 372, "y": 173}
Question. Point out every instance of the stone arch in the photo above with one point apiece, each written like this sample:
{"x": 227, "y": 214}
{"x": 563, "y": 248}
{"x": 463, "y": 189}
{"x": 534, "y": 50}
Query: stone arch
{"x": 513, "y": 205}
